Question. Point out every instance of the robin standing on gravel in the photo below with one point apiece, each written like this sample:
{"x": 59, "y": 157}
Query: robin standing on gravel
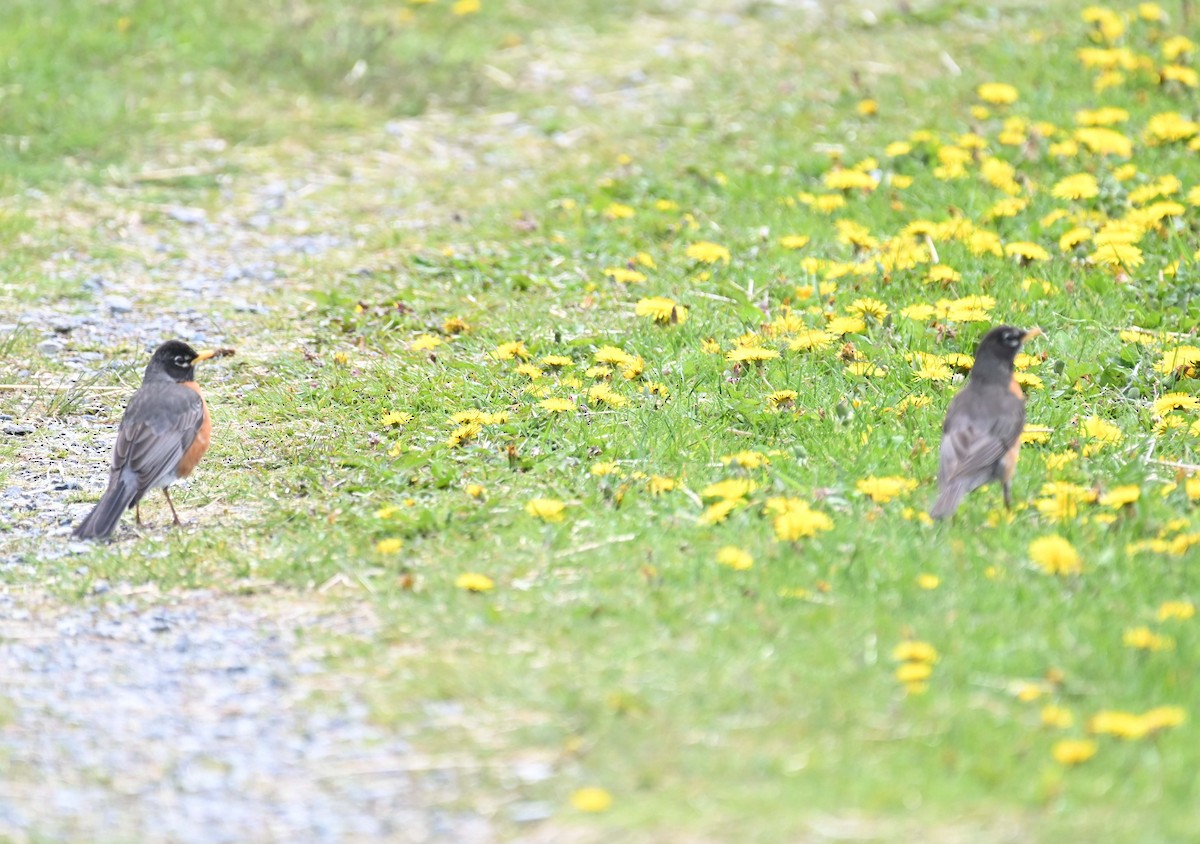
{"x": 982, "y": 432}
{"x": 161, "y": 438}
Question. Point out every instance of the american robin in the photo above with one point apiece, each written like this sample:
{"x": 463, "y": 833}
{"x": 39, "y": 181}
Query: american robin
{"x": 161, "y": 438}
{"x": 982, "y": 432}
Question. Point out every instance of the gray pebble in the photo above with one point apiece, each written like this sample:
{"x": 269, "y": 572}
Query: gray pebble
{"x": 190, "y": 216}
{"x": 118, "y": 304}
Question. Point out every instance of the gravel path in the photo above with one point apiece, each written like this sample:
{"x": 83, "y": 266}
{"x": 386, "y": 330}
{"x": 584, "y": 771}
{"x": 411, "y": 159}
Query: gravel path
{"x": 186, "y": 718}
{"x": 183, "y": 717}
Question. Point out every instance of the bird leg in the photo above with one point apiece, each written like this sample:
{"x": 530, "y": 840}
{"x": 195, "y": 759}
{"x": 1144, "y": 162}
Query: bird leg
{"x": 1007, "y": 487}
{"x": 137, "y": 514}
{"x": 172, "y": 506}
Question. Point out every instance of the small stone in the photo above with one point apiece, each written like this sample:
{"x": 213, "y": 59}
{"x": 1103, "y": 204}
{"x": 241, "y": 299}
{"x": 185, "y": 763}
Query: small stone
{"x": 50, "y": 347}
{"x": 118, "y": 304}
{"x": 17, "y": 429}
{"x": 189, "y": 216}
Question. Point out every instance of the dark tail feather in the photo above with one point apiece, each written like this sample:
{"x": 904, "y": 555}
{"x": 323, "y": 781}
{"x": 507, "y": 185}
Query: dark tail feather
{"x": 948, "y": 500}
{"x": 99, "y": 523}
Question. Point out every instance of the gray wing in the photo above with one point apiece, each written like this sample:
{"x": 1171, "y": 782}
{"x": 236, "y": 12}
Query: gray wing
{"x": 973, "y": 441}
{"x": 155, "y": 434}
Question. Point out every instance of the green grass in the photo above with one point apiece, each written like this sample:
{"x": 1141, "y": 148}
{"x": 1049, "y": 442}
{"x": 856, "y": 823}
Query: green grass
{"x": 713, "y": 704}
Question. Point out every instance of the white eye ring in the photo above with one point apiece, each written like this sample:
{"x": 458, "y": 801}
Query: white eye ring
{"x": 181, "y": 361}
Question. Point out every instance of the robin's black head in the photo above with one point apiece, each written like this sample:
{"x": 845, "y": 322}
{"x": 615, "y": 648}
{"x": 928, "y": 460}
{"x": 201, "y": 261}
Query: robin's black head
{"x": 174, "y": 359}
{"x": 997, "y": 350}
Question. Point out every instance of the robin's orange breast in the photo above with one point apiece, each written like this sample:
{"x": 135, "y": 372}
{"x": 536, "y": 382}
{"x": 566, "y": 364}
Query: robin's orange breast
{"x": 196, "y": 450}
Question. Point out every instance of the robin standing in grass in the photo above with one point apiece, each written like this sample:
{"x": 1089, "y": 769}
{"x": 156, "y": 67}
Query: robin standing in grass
{"x": 982, "y": 432}
{"x": 161, "y": 438}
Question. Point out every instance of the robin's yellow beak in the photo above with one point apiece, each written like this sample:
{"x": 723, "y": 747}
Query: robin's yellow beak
{"x": 1031, "y": 333}
{"x": 212, "y": 353}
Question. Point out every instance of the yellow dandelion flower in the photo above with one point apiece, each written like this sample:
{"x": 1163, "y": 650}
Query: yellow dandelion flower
{"x": 811, "y": 340}
{"x": 736, "y": 558}
{"x": 1100, "y": 431}
{"x": 508, "y": 351}
{"x": 933, "y": 370}
{"x": 1176, "y": 46}
{"x": 618, "y": 211}
{"x": 1170, "y": 610}
{"x": 918, "y": 312}
{"x": 1104, "y": 116}
{"x": 942, "y": 274}
{"x": 546, "y": 509}
{"x": 928, "y": 581}
{"x": 868, "y": 309}
{"x": 751, "y": 354}
{"x": 1073, "y": 237}
{"x": 828, "y": 203}
{"x": 914, "y": 650}
{"x": 624, "y": 275}
{"x": 389, "y": 546}
{"x": 1078, "y": 186}
{"x": 476, "y": 491}
{"x": 1055, "y": 555}
{"x": 1180, "y": 73}
{"x": 1175, "y": 401}
{"x": 1121, "y": 496}
{"x": 395, "y": 417}
{"x": 611, "y": 354}
{"x": 463, "y": 433}
{"x": 849, "y": 180}
{"x": 1057, "y": 717}
{"x": 997, "y": 93}
{"x": 882, "y": 490}
{"x": 1073, "y": 751}
{"x": 557, "y": 405}
{"x": 1124, "y": 725}
{"x": 1145, "y": 639}
{"x": 662, "y": 310}
{"x": 591, "y": 800}
{"x": 914, "y": 672}
{"x": 1104, "y": 141}
{"x": 1169, "y": 127}
{"x": 633, "y": 368}
{"x": 462, "y": 8}
{"x": 794, "y": 241}
{"x": 707, "y": 252}
{"x": 840, "y": 325}
{"x": 1163, "y": 716}
{"x": 1179, "y": 359}
{"x": 608, "y": 467}
{"x": 719, "y": 512}
{"x": 1026, "y": 251}
{"x": 425, "y": 342}
{"x": 455, "y": 325}
{"x": 1117, "y": 256}
{"x": 782, "y": 398}
{"x": 604, "y": 394}
{"x": 658, "y": 484}
{"x": 747, "y": 459}
{"x": 796, "y": 520}
{"x": 474, "y": 582}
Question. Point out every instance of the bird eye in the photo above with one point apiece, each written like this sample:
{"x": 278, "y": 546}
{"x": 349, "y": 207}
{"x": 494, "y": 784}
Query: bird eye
{"x": 180, "y": 360}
